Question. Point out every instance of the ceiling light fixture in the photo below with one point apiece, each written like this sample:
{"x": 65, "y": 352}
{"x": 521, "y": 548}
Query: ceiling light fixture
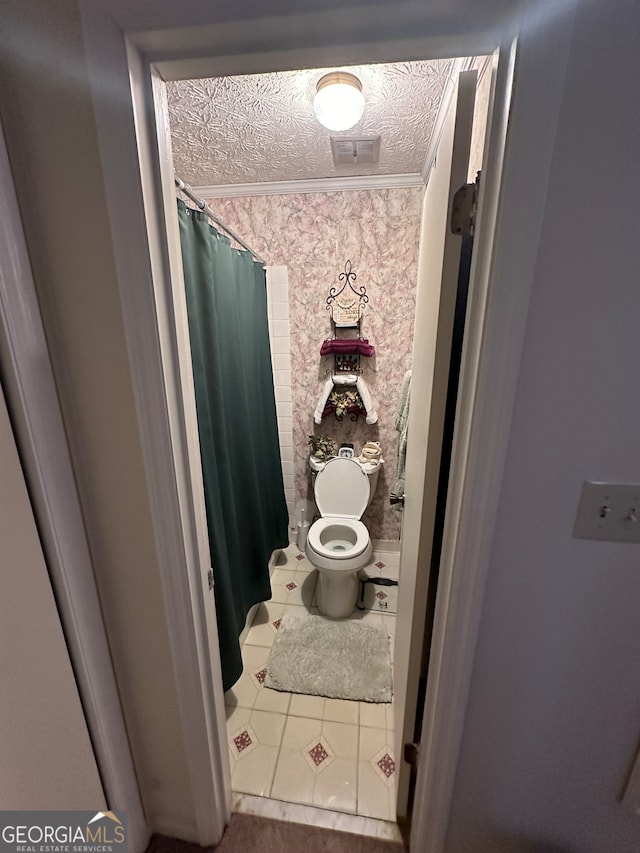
{"x": 338, "y": 102}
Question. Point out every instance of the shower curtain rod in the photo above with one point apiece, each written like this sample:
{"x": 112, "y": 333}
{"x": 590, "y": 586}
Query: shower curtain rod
{"x": 204, "y": 207}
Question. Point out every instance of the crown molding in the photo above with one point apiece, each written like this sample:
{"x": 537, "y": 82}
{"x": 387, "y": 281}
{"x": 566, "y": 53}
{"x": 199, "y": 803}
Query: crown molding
{"x": 315, "y": 185}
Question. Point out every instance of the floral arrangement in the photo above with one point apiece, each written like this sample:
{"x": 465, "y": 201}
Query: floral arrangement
{"x": 322, "y": 447}
{"x": 345, "y": 400}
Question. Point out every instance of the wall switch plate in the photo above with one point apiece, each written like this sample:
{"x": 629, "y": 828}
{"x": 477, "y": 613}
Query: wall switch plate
{"x": 609, "y": 511}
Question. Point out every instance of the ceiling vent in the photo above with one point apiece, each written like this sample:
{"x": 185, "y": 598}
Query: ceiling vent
{"x": 355, "y": 152}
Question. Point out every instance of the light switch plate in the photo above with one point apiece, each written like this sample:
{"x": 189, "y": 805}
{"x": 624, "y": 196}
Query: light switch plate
{"x": 609, "y": 511}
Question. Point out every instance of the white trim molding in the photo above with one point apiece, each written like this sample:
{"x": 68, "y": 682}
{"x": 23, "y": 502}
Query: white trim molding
{"x": 37, "y": 421}
{"x": 315, "y": 185}
{"x": 502, "y": 274}
{"x": 139, "y": 211}
{"x": 161, "y": 374}
{"x": 461, "y": 64}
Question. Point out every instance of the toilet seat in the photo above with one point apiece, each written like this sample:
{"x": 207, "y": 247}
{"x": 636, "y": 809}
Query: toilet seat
{"x": 338, "y": 544}
{"x": 341, "y": 489}
{"x": 320, "y": 545}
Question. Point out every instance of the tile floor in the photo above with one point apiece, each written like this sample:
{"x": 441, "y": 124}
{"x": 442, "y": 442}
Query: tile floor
{"x": 330, "y": 753}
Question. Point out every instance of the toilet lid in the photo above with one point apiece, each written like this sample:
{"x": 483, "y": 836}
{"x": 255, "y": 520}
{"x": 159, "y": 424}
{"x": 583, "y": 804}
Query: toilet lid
{"x": 342, "y": 489}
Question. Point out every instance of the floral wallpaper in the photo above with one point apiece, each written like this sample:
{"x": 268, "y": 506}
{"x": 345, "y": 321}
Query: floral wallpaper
{"x": 313, "y": 234}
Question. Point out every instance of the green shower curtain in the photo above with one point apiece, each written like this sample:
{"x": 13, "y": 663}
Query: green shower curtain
{"x": 244, "y": 492}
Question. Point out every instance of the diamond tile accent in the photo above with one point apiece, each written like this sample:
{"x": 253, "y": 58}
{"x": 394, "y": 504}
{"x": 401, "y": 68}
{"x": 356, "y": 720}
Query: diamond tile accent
{"x": 261, "y": 675}
{"x": 387, "y": 765}
{"x": 291, "y": 586}
{"x": 242, "y": 741}
{"x": 380, "y": 564}
{"x": 299, "y": 556}
{"x": 381, "y": 595}
{"x": 318, "y": 754}
{"x": 276, "y": 624}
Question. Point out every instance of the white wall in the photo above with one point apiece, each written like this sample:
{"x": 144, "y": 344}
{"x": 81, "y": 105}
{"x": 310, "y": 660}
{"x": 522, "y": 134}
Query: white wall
{"x": 51, "y": 139}
{"x": 47, "y": 759}
{"x": 554, "y": 714}
{"x": 551, "y": 719}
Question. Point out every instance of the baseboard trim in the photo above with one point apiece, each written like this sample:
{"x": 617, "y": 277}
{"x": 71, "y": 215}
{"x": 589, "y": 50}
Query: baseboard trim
{"x": 389, "y": 545}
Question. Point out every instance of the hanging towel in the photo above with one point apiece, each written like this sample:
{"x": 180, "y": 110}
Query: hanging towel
{"x": 372, "y": 415}
{"x": 327, "y": 388}
{"x": 402, "y": 420}
{"x": 345, "y": 379}
{"x": 347, "y": 346}
{"x": 341, "y": 380}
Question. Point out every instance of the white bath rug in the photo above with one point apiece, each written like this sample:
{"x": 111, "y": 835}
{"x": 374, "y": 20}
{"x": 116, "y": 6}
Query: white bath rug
{"x": 336, "y": 659}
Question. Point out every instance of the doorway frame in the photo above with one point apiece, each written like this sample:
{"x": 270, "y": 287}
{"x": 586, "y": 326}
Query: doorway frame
{"x": 36, "y": 418}
{"x": 496, "y": 330}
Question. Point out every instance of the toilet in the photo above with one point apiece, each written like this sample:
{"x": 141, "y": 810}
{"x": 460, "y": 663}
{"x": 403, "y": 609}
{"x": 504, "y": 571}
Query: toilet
{"x": 338, "y": 544}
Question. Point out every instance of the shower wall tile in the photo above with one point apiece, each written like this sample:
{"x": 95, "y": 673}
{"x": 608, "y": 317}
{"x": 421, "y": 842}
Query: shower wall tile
{"x": 312, "y": 235}
{"x": 281, "y": 361}
{"x": 283, "y": 377}
{"x": 283, "y": 407}
{"x": 281, "y": 328}
{"x": 283, "y": 386}
{"x": 280, "y": 340}
{"x": 280, "y": 292}
{"x": 280, "y": 310}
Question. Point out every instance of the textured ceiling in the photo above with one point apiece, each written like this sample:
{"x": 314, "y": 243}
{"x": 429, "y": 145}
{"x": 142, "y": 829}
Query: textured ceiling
{"x": 261, "y": 127}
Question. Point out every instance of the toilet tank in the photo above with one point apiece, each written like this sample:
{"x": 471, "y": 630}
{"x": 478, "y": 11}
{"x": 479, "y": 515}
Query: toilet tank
{"x": 372, "y": 472}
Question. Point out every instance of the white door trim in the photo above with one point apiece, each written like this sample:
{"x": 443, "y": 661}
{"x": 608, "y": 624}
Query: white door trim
{"x": 161, "y": 374}
{"x": 493, "y": 351}
{"x": 459, "y": 65}
{"x": 501, "y": 276}
{"x": 436, "y": 296}
{"x": 37, "y": 421}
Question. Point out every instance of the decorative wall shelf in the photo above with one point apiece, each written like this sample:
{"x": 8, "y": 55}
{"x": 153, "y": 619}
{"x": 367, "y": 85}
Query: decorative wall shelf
{"x": 345, "y": 392}
{"x": 347, "y": 304}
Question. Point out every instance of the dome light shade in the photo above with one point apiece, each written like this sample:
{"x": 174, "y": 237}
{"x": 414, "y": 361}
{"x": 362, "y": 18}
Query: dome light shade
{"x": 338, "y": 102}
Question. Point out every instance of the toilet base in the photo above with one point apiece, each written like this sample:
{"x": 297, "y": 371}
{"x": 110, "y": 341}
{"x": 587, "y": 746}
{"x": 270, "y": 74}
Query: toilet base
{"x": 337, "y": 593}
